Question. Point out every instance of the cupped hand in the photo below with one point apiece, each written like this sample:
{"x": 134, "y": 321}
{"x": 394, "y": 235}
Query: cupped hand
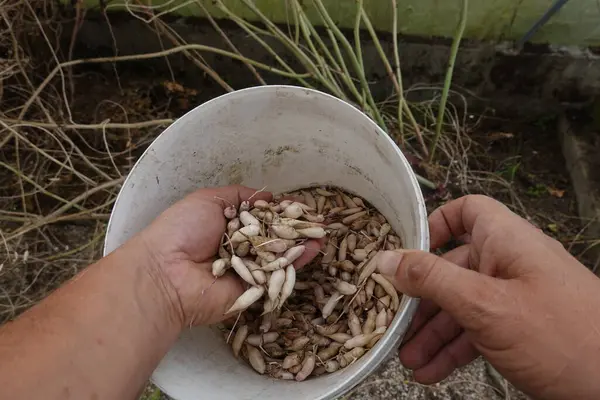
{"x": 183, "y": 242}
{"x": 511, "y": 294}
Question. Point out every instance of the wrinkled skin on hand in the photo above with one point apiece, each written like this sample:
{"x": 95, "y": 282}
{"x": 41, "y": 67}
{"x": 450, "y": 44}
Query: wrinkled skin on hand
{"x": 183, "y": 242}
{"x": 510, "y": 293}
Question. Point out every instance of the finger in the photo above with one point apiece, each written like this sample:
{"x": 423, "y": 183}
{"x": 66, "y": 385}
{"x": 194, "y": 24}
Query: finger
{"x": 312, "y": 249}
{"x": 428, "y": 309}
{"x": 457, "y": 354}
{"x": 457, "y": 218}
{"x": 233, "y": 195}
{"x": 437, "y": 333}
{"x": 462, "y": 292}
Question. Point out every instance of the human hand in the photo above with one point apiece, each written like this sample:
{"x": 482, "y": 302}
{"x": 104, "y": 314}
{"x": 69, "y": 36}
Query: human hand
{"x": 183, "y": 242}
{"x": 511, "y": 293}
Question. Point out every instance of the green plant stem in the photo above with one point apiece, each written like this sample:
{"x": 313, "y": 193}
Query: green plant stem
{"x": 360, "y": 72}
{"x": 449, "y": 73}
{"x": 398, "y": 70}
{"x": 359, "y": 7}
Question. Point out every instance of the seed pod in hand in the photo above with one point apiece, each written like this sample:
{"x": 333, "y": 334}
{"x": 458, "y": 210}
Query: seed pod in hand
{"x": 219, "y": 267}
{"x": 269, "y": 244}
{"x": 261, "y": 205}
{"x": 248, "y": 219}
{"x": 278, "y": 264}
{"x": 259, "y": 276}
{"x": 294, "y": 210}
{"x": 284, "y": 231}
{"x": 241, "y": 269}
{"x": 308, "y": 365}
{"x": 266, "y": 255}
{"x": 367, "y": 271}
{"x": 243, "y": 249}
{"x": 238, "y": 340}
{"x": 275, "y": 284}
{"x": 244, "y": 233}
{"x": 389, "y": 289}
{"x": 230, "y": 212}
{"x": 256, "y": 359}
{"x": 312, "y": 233}
{"x": 294, "y": 253}
{"x": 292, "y": 360}
{"x": 288, "y": 285}
{"x": 233, "y": 226}
{"x": 247, "y": 299}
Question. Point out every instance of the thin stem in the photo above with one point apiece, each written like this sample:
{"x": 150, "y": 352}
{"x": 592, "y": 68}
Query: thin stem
{"x": 398, "y": 70}
{"x": 357, "y": 44}
{"x": 146, "y": 56}
{"x": 449, "y": 73}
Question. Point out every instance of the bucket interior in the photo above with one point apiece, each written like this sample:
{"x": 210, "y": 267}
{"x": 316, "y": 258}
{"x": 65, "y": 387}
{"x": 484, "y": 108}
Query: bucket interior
{"x": 283, "y": 138}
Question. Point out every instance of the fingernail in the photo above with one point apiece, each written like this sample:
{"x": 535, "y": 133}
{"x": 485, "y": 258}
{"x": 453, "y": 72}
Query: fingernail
{"x": 388, "y": 261}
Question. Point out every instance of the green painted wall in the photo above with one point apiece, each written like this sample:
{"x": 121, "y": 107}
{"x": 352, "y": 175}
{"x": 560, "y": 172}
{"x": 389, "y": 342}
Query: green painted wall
{"x": 578, "y": 23}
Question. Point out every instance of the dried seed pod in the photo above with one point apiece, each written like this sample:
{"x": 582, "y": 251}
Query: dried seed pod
{"x": 276, "y": 265}
{"x": 324, "y": 192}
{"x": 361, "y": 298}
{"x": 335, "y": 211}
{"x": 374, "y": 341}
{"x": 347, "y": 266}
{"x": 369, "y": 288}
{"x": 354, "y": 323}
{"x": 233, "y": 226}
{"x": 266, "y": 323}
{"x": 319, "y": 294}
{"x": 367, "y": 271}
{"x": 269, "y": 244}
{"x": 294, "y": 253}
{"x": 336, "y": 226}
{"x": 308, "y": 365}
{"x": 351, "y": 239}
{"x": 332, "y": 270}
{"x": 238, "y": 340}
{"x": 261, "y": 205}
{"x": 230, "y": 212}
{"x": 317, "y": 321}
{"x": 248, "y": 219}
{"x": 338, "y": 200}
{"x": 241, "y": 269}
{"x": 309, "y": 199}
{"x": 314, "y": 218}
{"x": 244, "y": 206}
{"x": 258, "y": 339}
{"x": 394, "y": 239}
{"x": 385, "y": 230}
{"x": 319, "y": 370}
{"x": 359, "y": 202}
{"x": 288, "y": 285}
{"x": 281, "y": 374}
{"x": 359, "y": 255}
{"x": 352, "y": 211}
{"x": 242, "y": 249}
{"x": 371, "y": 247}
{"x": 295, "y": 369}
{"x": 383, "y": 303}
{"x": 359, "y": 224}
{"x": 312, "y": 233}
{"x": 330, "y": 351}
{"x": 390, "y": 316}
{"x": 299, "y": 343}
{"x": 244, "y": 233}
{"x": 334, "y": 316}
{"x": 275, "y": 284}
{"x": 294, "y": 210}
{"x": 223, "y": 253}
{"x": 379, "y": 292}
{"x": 297, "y": 223}
{"x": 344, "y": 288}
{"x": 284, "y": 231}
{"x": 220, "y": 266}
{"x": 326, "y": 330}
{"x": 331, "y": 303}
{"x": 389, "y": 289}
{"x": 259, "y": 276}
{"x": 308, "y": 309}
{"x": 381, "y": 319}
{"x": 330, "y": 252}
{"x": 266, "y": 255}
{"x": 247, "y": 299}
{"x": 340, "y": 337}
{"x": 282, "y": 323}
{"x": 320, "y": 341}
{"x": 343, "y": 249}
{"x": 369, "y": 325}
{"x": 332, "y": 366}
{"x": 346, "y": 276}
{"x": 292, "y": 360}
{"x": 351, "y": 356}
{"x": 321, "y": 204}
{"x": 256, "y": 359}
{"x": 351, "y": 218}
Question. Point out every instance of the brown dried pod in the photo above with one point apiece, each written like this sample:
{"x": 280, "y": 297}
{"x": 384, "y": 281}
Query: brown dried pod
{"x": 351, "y": 356}
{"x": 354, "y": 323}
{"x": 359, "y": 224}
{"x": 326, "y": 330}
{"x": 274, "y": 350}
{"x": 379, "y": 292}
{"x": 332, "y": 366}
{"x": 389, "y": 289}
{"x": 308, "y": 365}
{"x": 256, "y": 359}
{"x": 295, "y": 369}
{"x": 299, "y": 343}
{"x": 330, "y": 351}
{"x": 238, "y": 340}
{"x": 340, "y": 337}
{"x": 369, "y": 325}
{"x": 292, "y": 360}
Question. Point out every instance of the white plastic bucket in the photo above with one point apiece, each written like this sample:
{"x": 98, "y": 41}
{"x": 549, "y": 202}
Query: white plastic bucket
{"x": 284, "y": 138}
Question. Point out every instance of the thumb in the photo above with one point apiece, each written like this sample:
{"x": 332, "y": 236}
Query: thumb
{"x": 459, "y": 291}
